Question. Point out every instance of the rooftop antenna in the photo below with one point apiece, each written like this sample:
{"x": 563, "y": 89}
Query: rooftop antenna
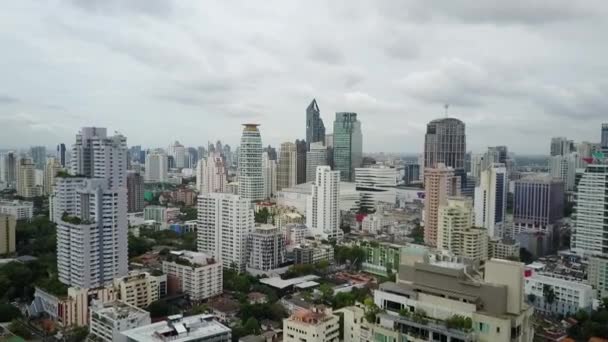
{"x": 446, "y": 109}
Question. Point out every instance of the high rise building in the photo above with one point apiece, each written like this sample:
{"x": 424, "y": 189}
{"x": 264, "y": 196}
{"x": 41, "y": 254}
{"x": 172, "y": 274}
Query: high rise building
{"x": 92, "y": 231}
{"x": 323, "y": 211}
{"x": 456, "y": 232}
{"x": 272, "y": 152}
{"x": 97, "y": 155}
{"x": 251, "y": 179}
{"x": 301, "y": 149}
{"x": 564, "y": 167}
{"x": 590, "y": 215}
{"x": 26, "y": 179}
{"x": 61, "y": 155}
{"x": 198, "y": 275}
{"x": 178, "y": 152}
{"x": 211, "y": 174}
{"x": 135, "y": 192}
{"x": 376, "y": 185}
{"x": 269, "y": 169}
{"x": 439, "y": 184}
{"x": 491, "y": 200}
{"x": 498, "y": 154}
{"x": 38, "y": 154}
{"x": 445, "y": 142}
{"x": 52, "y": 167}
{"x": 561, "y": 146}
{"x": 266, "y": 248}
{"x": 316, "y": 156}
{"x": 157, "y": 167}
{"x": 315, "y": 129}
{"x": 8, "y": 169}
{"x": 287, "y": 170}
{"x": 192, "y": 157}
{"x": 8, "y": 225}
{"x": 224, "y": 224}
{"x": 348, "y": 145}
{"x": 329, "y": 143}
{"x": 538, "y": 203}
{"x": 411, "y": 173}
{"x": 585, "y": 149}
{"x": 604, "y": 138}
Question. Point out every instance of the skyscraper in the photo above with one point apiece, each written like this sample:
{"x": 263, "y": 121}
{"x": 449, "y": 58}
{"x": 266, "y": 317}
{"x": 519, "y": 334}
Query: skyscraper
{"x": 26, "y": 179}
{"x": 51, "y": 169}
{"x": 315, "y": 129}
{"x": 38, "y": 154}
{"x": 178, "y": 152}
{"x": 157, "y": 166}
{"x": 317, "y": 156}
{"x": 97, "y": 155}
{"x": 135, "y": 192}
{"x": 8, "y": 225}
{"x": 564, "y": 167}
{"x": 287, "y": 171}
{"x": 376, "y": 185}
{"x": 604, "y": 138}
{"x": 224, "y": 224}
{"x": 348, "y": 145}
{"x": 561, "y": 146}
{"x": 491, "y": 200}
{"x": 211, "y": 174}
{"x": 411, "y": 173}
{"x": 445, "y": 142}
{"x": 61, "y": 157}
{"x": 266, "y": 248}
{"x": 8, "y": 169}
{"x": 456, "y": 232}
{"x": 439, "y": 184}
{"x": 269, "y": 169}
{"x": 323, "y": 210}
{"x": 251, "y": 179}
{"x": 301, "y": 149}
{"x": 538, "y": 203}
{"x": 590, "y": 214}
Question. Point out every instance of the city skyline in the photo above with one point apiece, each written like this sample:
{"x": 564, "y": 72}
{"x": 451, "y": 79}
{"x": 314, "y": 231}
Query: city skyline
{"x": 191, "y": 83}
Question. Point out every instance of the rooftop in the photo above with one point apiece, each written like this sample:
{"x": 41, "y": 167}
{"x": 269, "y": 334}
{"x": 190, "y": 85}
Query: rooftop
{"x": 279, "y": 283}
{"x": 194, "y": 258}
{"x": 179, "y": 329}
{"x": 117, "y": 310}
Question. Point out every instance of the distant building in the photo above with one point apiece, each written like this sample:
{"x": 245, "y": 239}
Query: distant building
{"x": 316, "y": 156}
{"x": 323, "y": 212}
{"x": 347, "y": 145}
{"x": 445, "y": 143}
{"x": 570, "y": 296}
{"x": 178, "y": 152}
{"x": 376, "y": 185}
{"x": 561, "y": 146}
{"x": 301, "y": 151}
{"x": 564, "y": 167}
{"x": 157, "y": 167}
{"x": 140, "y": 289}
{"x": 457, "y": 233}
{"x": 61, "y": 155}
{"x": 604, "y": 138}
{"x": 51, "y": 169}
{"x": 38, "y": 154}
{"x": 266, "y": 248}
{"x": 135, "y": 192}
{"x": 591, "y": 225}
{"x": 211, "y": 174}
{"x": 287, "y": 169}
{"x": 503, "y": 249}
{"x": 108, "y": 320}
{"x": 315, "y": 325}
{"x": 21, "y": 210}
{"x": 161, "y": 214}
{"x": 26, "y": 179}
{"x": 9, "y": 169}
{"x": 312, "y": 253}
{"x": 411, "y": 173}
{"x": 439, "y": 184}
{"x": 197, "y": 328}
{"x": 8, "y": 224}
{"x": 380, "y": 258}
{"x": 491, "y": 200}
{"x": 538, "y": 203}
{"x": 251, "y": 177}
{"x": 269, "y": 170}
{"x": 315, "y": 129}
{"x": 198, "y": 275}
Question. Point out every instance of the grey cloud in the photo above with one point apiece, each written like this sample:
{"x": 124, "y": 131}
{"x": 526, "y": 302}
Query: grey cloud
{"x": 6, "y": 99}
{"x": 113, "y": 7}
{"x": 326, "y": 53}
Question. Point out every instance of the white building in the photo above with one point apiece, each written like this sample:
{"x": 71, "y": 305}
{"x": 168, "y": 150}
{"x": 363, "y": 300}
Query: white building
{"x": 157, "y": 167}
{"x": 315, "y": 325}
{"x": 92, "y": 230}
{"x": 199, "y": 275}
{"x": 198, "y": 328}
{"x": 598, "y": 274}
{"x": 108, "y": 320}
{"x": 287, "y": 168}
{"x": 570, "y": 296}
{"x": 491, "y": 199}
{"x": 266, "y": 248}
{"x": 374, "y": 223}
{"x": 590, "y": 214}
{"x": 269, "y": 169}
{"x": 211, "y": 174}
{"x": 224, "y": 224}
{"x": 376, "y": 185}
{"x": 21, "y": 210}
{"x": 323, "y": 212}
{"x": 317, "y": 156}
{"x": 178, "y": 152}
{"x": 251, "y": 178}
{"x": 97, "y": 155}
{"x": 564, "y": 167}
{"x": 140, "y": 288}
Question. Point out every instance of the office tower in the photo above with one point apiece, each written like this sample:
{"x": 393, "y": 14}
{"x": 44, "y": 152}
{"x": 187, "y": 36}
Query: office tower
{"x": 61, "y": 155}
{"x": 269, "y": 169}
{"x": 376, "y": 185}
{"x": 178, "y": 152}
{"x": 170, "y": 162}
{"x": 8, "y": 225}
{"x": 266, "y": 248}
{"x": 348, "y": 145}
{"x": 202, "y": 152}
{"x": 421, "y": 163}
{"x": 585, "y": 149}
{"x": 456, "y": 232}
{"x": 411, "y": 173}
{"x": 329, "y": 140}
{"x": 439, "y": 184}
{"x": 301, "y": 149}
{"x": 316, "y": 156}
{"x": 135, "y": 192}
{"x": 315, "y": 129}
{"x": 224, "y": 224}
{"x": 92, "y": 231}
{"x": 491, "y": 200}
{"x": 52, "y": 167}
{"x": 97, "y": 155}
{"x": 251, "y": 180}
{"x": 287, "y": 172}
{"x": 564, "y": 167}
{"x": 38, "y": 154}
{"x": 157, "y": 167}
{"x": 561, "y": 146}
{"x": 329, "y": 143}
{"x": 498, "y": 154}
{"x": 26, "y": 179}
{"x": 8, "y": 169}
{"x": 445, "y": 142}
{"x": 211, "y": 174}
{"x": 323, "y": 211}
{"x": 538, "y": 203}
{"x": 272, "y": 152}
{"x": 135, "y": 154}
{"x": 604, "y": 138}
{"x": 191, "y": 158}
{"x": 590, "y": 214}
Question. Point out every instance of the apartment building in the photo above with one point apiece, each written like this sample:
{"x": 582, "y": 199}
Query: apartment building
{"x": 317, "y": 324}
{"x": 196, "y": 274}
{"x": 108, "y": 320}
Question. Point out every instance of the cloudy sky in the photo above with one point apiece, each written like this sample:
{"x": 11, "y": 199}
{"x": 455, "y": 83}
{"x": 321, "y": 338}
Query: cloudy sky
{"x": 517, "y": 72}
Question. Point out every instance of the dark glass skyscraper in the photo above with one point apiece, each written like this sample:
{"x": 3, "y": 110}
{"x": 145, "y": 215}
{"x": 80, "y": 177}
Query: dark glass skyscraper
{"x": 604, "y": 141}
{"x": 61, "y": 154}
{"x": 315, "y": 129}
{"x": 301, "y": 148}
{"x": 445, "y": 142}
{"x": 348, "y": 145}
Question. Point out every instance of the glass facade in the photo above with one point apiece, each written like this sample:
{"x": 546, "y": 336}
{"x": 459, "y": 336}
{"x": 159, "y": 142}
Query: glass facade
{"x": 348, "y": 145}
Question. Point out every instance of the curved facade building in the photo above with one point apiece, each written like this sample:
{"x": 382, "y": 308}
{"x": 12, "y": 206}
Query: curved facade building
{"x": 445, "y": 142}
{"x": 251, "y": 179}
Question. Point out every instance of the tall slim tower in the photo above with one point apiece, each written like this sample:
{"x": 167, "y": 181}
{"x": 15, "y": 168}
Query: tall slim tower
{"x": 61, "y": 157}
{"x": 323, "y": 211}
{"x": 317, "y": 156}
{"x": 251, "y": 179}
{"x": 604, "y": 138}
{"x": 491, "y": 199}
{"x": 38, "y": 154}
{"x": 439, "y": 184}
{"x": 287, "y": 171}
{"x": 590, "y": 214}
{"x": 301, "y": 148}
{"x": 135, "y": 190}
{"x": 157, "y": 167}
{"x": 211, "y": 174}
{"x": 315, "y": 129}
{"x": 348, "y": 145}
{"x": 445, "y": 142}
{"x": 8, "y": 169}
{"x": 269, "y": 169}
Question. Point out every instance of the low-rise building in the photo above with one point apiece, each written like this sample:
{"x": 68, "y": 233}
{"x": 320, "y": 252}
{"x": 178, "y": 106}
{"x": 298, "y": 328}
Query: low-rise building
{"x": 108, "y": 320}
{"x": 266, "y": 246}
{"x": 196, "y": 274}
{"x": 380, "y": 257}
{"x": 160, "y": 214}
{"x": 374, "y": 223}
{"x": 312, "y": 253}
{"x": 354, "y": 326}
{"x": 140, "y": 288}
{"x": 199, "y": 328}
{"x": 21, "y": 210}
{"x": 598, "y": 274}
{"x": 295, "y": 234}
{"x": 556, "y": 296}
{"x": 318, "y": 324}
{"x": 503, "y": 249}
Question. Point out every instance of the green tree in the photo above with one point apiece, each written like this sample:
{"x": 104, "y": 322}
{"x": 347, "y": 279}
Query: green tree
{"x": 261, "y": 216}
{"x": 77, "y": 334}
{"x": 8, "y": 312}
{"x": 19, "y": 329}
{"x": 252, "y": 326}
{"x": 417, "y": 234}
{"x": 161, "y": 308}
{"x": 327, "y": 293}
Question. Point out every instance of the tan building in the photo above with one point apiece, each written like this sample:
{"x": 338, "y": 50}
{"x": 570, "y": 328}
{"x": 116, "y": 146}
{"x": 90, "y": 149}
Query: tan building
{"x": 8, "y": 224}
{"x": 503, "y": 249}
{"x": 318, "y": 324}
{"x": 355, "y": 328}
{"x": 439, "y": 184}
{"x": 287, "y": 168}
{"x": 26, "y": 179}
{"x": 456, "y": 232}
{"x": 196, "y": 274}
{"x": 50, "y": 172}
{"x": 140, "y": 288}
